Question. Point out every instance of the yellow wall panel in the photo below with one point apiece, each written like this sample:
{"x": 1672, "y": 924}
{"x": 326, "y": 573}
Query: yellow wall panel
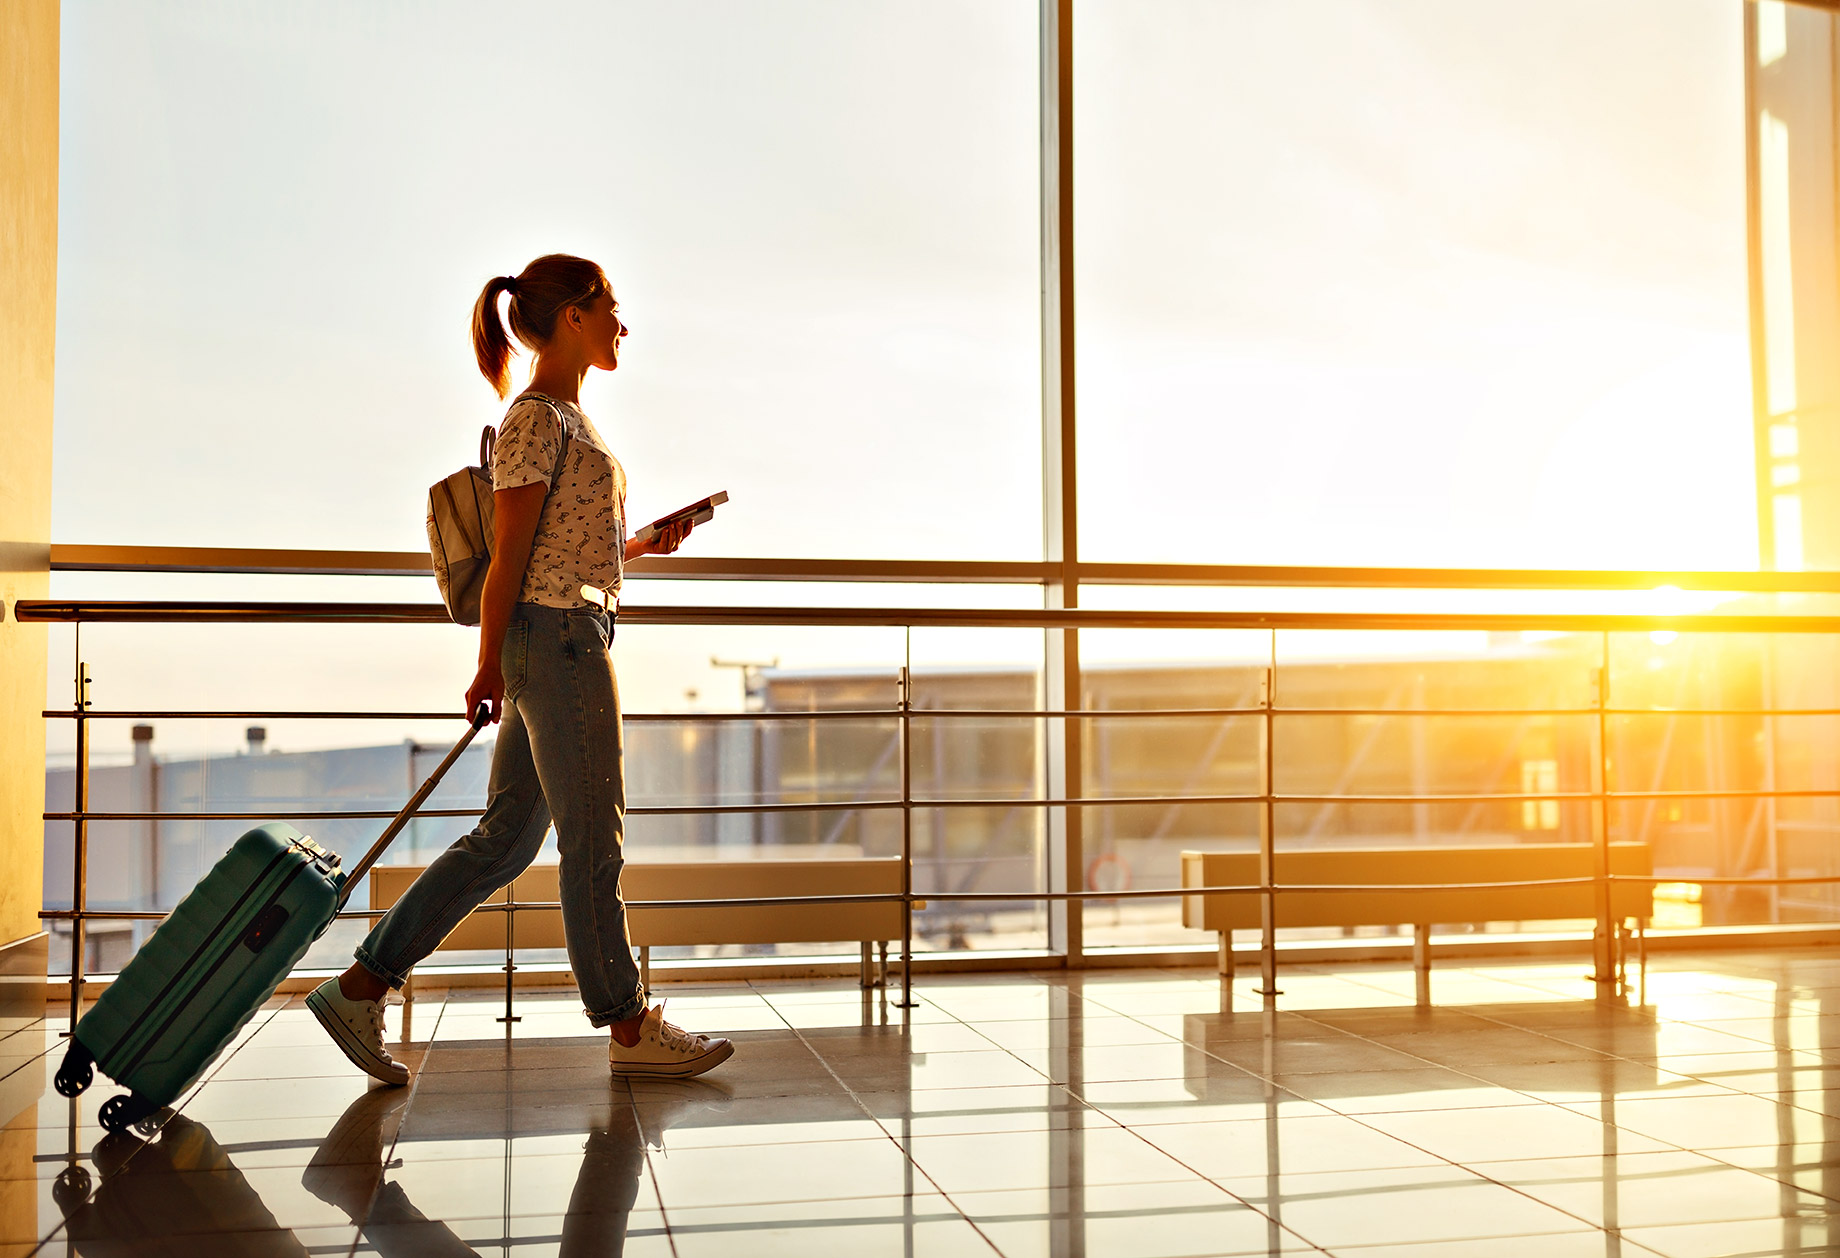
{"x": 28, "y": 324}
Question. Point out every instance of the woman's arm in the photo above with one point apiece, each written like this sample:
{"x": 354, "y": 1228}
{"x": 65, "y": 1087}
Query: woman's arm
{"x": 514, "y": 531}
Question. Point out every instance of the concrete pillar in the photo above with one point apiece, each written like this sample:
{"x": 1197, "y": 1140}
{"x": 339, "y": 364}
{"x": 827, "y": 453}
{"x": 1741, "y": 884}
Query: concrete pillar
{"x": 28, "y": 322}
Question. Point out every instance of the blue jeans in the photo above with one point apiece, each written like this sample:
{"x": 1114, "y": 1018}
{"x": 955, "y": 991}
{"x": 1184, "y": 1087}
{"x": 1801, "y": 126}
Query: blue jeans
{"x": 559, "y": 754}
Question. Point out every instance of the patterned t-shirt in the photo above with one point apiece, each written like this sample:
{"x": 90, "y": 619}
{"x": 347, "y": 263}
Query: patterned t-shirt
{"x": 581, "y": 535}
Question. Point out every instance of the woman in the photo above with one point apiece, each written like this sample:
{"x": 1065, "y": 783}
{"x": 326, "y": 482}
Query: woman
{"x": 559, "y": 500}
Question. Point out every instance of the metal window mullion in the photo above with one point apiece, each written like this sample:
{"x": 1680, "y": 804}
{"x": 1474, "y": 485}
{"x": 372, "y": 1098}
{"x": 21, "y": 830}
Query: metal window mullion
{"x": 1603, "y": 949}
{"x": 1059, "y": 464}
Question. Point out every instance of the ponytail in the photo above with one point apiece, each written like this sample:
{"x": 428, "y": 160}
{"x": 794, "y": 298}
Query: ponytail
{"x": 490, "y": 344}
{"x": 539, "y": 295}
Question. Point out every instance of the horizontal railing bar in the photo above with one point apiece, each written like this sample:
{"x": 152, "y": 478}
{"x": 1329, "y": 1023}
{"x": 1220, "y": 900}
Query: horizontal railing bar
{"x": 367, "y": 814}
{"x": 415, "y": 563}
{"x": 843, "y": 805}
{"x": 1478, "y": 712}
{"x": 776, "y": 714}
{"x": 1165, "y": 893}
{"x": 278, "y": 813}
{"x": 68, "y": 557}
{"x": 1468, "y": 797}
{"x": 1722, "y": 711}
{"x": 1088, "y": 801}
{"x": 1725, "y": 881}
{"x": 889, "y": 714}
{"x": 1778, "y": 793}
{"x": 124, "y": 611}
{"x": 972, "y": 897}
{"x": 1331, "y": 577}
{"x": 1281, "y": 711}
{"x": 891, "y": 897}
{"x": 883, "y": 714}
{"x": 828, "y": 714}
{"x": 1081, "y": 714}
{"x": 199, "y": 612}
{"x": 175, "y": 714}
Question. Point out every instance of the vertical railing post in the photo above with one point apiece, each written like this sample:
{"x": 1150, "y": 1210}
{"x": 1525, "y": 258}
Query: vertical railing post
{"x": 1772, "y": 840}
{"x": 1268, "y": 835}
{"x": 510, "y": 964}
{"x": 1603, "y": 941}
{"x": 905, "y": 699}
{"x": 79, "y": 871}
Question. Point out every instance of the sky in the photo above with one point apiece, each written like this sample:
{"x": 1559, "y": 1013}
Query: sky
{"x": 1393, "y": 282}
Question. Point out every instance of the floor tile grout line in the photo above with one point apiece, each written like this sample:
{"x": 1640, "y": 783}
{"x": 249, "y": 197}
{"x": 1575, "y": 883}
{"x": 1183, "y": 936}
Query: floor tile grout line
{"x": 389, "y": 1154}
{"x": 210, "y": 1073}
{"x": 1711, "y": 1155}
{"x": 651, "y": 1172}
{"x": 1767, "y": 1044}
{"x": 1274, "y": 1219}
{"x": 1358, "y": 1120}
{"x": 906, "y": 1154}
{"x": 810, "y": 1038}
{"x": 45, "y": 1025}
{"x": 1474, "y": 1170}
{"x": 1068, "y": 1087}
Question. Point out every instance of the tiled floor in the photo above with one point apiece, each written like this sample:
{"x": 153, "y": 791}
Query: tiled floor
{"x": 1109, "y": 1113}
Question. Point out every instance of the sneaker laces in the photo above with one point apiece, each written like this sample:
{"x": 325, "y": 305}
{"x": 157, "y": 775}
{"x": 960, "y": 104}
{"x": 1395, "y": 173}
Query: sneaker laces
{"x": 673, "y": 1036}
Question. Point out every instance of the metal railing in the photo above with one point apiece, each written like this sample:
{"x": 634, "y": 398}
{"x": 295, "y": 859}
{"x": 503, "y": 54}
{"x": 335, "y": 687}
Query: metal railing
{"x": 1267, "y": 712}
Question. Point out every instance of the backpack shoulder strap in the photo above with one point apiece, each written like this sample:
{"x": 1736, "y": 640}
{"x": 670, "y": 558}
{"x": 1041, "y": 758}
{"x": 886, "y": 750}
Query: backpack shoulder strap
{"x": 489, "y": 437}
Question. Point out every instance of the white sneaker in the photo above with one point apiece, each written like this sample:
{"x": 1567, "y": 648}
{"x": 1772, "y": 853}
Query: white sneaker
{"x": 356, "y": 1026}
{"x": 664, "y": 1049}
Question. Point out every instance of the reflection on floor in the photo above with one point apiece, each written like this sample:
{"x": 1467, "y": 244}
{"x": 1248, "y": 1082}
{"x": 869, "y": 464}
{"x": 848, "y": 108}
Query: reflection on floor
{"x": 1105, "y": 1113}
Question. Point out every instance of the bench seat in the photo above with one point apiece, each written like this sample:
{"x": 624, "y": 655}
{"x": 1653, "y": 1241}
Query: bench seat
{"x": 746, "y": 922}
{"x": 1411, "y": 867}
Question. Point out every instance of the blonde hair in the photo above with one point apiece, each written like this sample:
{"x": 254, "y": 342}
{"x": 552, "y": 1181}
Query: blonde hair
{"x": 539, "y": 295}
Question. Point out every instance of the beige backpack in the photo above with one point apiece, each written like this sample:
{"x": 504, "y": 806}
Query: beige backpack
{"x": 460, "y": 525}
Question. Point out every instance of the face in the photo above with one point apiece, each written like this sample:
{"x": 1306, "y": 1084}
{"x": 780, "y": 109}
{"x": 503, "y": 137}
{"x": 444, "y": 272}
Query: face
{"x": 601, "y": 330}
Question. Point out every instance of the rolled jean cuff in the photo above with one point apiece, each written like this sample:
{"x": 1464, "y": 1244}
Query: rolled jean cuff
{"x": 381, "y": 970}
{"x": 631, "y": 1009}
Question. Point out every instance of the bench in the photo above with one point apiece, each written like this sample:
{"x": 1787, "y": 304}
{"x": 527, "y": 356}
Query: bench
{"x": 1415, "y": 866}
{"x": 742, "y": 881}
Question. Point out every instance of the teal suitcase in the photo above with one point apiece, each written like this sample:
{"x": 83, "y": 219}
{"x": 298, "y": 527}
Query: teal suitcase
{"x": 213, "y": 961}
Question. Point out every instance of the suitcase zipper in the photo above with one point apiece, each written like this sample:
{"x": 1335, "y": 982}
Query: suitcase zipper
{"x": 184, "y": 971}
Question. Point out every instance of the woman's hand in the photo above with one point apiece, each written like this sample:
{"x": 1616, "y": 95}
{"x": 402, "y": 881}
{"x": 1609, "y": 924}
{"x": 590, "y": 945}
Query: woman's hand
{"x": 488, "y": 687}
{"x": 671, "y": 538}
{"x": 662, "y": 543}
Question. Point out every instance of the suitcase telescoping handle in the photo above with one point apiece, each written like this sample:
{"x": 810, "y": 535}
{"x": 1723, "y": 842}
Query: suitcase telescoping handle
{"x": 482, "y": 716}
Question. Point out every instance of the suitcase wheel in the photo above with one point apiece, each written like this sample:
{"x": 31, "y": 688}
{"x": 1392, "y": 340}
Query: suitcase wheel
{"x": 76, "y": 1072}
{"x": 71, "y": 1188}
{"x": 119, "y": 1113}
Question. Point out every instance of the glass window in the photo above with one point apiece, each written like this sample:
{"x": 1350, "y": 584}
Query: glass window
{"x": 821, "y": 221}
{"x": 1431, "y": 282}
